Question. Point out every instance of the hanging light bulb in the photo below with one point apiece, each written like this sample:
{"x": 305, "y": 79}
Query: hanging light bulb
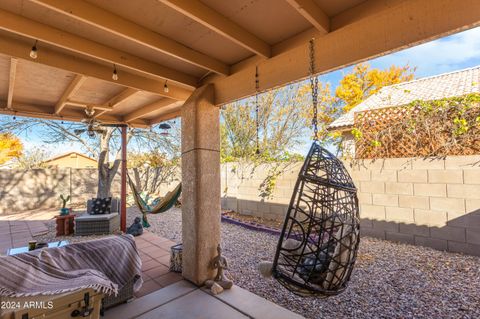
{"x": 165, "y": 87}
{"x": 14, "y": 116}
{"x": 114, "y": 74}
{"x": 33, "y": 52}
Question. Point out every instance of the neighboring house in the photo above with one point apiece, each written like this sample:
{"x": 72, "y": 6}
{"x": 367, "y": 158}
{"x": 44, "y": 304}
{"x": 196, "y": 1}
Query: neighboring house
{"x": 447, "y": 85}
{"x": 71, "y": 160}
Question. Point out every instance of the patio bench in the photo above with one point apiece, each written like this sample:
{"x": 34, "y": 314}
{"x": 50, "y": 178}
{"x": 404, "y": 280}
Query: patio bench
{"x": 89, "y": 224}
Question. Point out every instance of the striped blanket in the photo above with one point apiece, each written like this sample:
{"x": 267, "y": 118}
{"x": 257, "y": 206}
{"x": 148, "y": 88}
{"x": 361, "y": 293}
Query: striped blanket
{"x": 105, "y": 265}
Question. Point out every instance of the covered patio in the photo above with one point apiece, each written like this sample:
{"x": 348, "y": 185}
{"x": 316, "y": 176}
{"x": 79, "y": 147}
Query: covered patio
{"x": 139, "y": 63}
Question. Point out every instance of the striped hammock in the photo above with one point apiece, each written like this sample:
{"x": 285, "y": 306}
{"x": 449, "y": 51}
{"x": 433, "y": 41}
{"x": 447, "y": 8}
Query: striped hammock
{"x": 158, "y": 205}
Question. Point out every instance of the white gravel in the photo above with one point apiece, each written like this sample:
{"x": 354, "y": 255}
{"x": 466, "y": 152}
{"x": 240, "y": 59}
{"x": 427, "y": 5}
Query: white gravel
{"x": 390, "y": 280}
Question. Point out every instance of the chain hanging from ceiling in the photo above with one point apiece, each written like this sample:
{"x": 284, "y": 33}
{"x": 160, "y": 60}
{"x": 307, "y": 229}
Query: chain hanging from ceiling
{"x": 314, "y": 88}
{"x": 257, "y": 119}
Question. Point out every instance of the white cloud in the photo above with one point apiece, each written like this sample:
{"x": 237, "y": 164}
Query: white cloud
{"x": 454, "y": 52}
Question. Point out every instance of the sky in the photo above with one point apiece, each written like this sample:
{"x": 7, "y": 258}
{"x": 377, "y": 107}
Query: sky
{"x": 455, "y": 52}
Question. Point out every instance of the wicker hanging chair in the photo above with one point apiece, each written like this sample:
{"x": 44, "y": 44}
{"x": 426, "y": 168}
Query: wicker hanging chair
{"x": 319, "y": 240}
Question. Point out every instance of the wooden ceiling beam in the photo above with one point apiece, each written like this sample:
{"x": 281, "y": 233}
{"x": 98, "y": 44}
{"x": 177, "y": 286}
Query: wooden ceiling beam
{"x": 150, "y": 108}
{"x": 43, "y": 33}
{"x": 364, "y": 38}
{"x": 210, "y": 18}
{"x": 46, "y": 112}
{"x": 313, "y": 13}
{"x": 67, "y": 62}
{"x": 119, "y": 98}
{"x": 107, "y": 21}
{"x": 104, "y": 108}
{"x": 11, "y": 81}
{"x": 72, "y": 88}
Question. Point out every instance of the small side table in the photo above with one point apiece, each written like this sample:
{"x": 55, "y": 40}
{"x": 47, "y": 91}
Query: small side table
{"x": 65, "y": 224}
{"x": 20, "y": 250}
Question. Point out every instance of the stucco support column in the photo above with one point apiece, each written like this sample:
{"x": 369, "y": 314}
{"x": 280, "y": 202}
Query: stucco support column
{"x": 200, "y": 184}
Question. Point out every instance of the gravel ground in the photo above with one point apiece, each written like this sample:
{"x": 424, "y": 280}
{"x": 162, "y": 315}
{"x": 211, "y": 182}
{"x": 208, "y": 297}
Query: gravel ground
{"x": 390, "y": 280}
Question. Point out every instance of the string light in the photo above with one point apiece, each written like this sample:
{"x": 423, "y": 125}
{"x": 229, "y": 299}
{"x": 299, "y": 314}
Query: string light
{"x": 14, "y": 116}
{"x": 165, "y": 87}
{"x": 115, "y": 74}
{"x": 33, "y": 52}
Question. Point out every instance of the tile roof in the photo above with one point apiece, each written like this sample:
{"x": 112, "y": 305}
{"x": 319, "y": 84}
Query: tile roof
{"x": 436, "y": 87}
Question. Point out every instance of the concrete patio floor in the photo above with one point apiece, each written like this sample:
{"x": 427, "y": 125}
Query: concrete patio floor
{"x": 185, "y": 300}
{"x": 17, "y": 233}
{"x": 155, "y": 254}
{"x": 164, "y": 294}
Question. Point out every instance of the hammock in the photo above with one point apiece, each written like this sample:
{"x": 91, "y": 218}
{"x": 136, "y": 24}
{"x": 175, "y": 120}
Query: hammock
{"x": 159, "y": 205}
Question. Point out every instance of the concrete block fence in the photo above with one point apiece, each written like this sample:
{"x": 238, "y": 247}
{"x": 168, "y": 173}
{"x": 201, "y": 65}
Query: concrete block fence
{"x": 22, "y": 190}
{"x": 429, "y": 202}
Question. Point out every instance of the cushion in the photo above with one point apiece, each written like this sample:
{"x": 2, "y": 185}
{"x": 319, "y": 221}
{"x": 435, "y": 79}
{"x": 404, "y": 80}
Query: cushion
{"x": 101, "y": 206}
{"x": 87, "y": 217}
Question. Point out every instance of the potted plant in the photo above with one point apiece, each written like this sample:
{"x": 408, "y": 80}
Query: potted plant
{"x": 64, "y": 210}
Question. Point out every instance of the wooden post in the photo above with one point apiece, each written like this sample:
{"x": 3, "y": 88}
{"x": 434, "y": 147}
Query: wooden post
{"x": 123, "y": 196}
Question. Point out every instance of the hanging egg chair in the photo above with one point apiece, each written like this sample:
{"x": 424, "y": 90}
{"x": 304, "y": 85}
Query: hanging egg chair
{"x": 319, "y": 240}
{"x": 318, "y": 244}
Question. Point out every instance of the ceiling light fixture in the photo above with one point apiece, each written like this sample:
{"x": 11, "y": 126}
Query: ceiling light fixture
{"x": 33, "y": 52}
{"x": 165, "y": 87}
{"x": 115, "y": 74}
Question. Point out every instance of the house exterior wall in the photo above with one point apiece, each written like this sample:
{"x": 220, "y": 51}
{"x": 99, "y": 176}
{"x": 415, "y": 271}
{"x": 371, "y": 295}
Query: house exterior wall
{"x": 427, "y": 202}
{"x": 72, "y": 161}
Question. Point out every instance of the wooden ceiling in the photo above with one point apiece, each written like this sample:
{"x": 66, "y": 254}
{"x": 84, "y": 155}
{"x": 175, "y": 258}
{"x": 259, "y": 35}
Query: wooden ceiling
{"x": 187, "y": 43}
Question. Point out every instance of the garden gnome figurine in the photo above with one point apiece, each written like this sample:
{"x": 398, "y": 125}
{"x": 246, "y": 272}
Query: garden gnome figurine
{"x": 136, "y": 229}
{"x": 220, "y": 263}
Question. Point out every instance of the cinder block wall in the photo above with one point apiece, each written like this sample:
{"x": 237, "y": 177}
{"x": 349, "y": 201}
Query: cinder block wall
{"x": 429, "y": 202}
{"x": 22, "y": 190}
{"x": 241, "y": 190}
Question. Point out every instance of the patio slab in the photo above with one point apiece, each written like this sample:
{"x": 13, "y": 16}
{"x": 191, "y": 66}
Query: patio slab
{"x": 252, "y": 305}
{"x": 155, "y": 254}
{"x": 17, "y": 233}
{"x": 184, "y": 300}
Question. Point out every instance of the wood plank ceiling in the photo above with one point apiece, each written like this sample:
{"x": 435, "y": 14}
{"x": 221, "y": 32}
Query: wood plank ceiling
{"x": 183, "y": 44}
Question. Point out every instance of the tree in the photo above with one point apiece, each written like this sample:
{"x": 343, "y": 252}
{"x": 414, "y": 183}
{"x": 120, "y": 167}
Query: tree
{"x": 281, "y": 122}
{"x": 282, "y": 126}
{"x": 103, "y": 146}
{"x": 354, "y": 88}
{"x": 151, "y": 169}
{"x": 10, "y": 147}
{"x": 363, "y": 81}
{"x": 32, "y": 158}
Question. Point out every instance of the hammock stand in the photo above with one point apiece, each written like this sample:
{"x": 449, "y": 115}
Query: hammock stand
{"x": 160, "y": 205}
{"x": 318, "y": 245}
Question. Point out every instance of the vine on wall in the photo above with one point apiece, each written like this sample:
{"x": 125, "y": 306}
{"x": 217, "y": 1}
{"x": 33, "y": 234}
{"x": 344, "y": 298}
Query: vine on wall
{"x": 449, "y": 126}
